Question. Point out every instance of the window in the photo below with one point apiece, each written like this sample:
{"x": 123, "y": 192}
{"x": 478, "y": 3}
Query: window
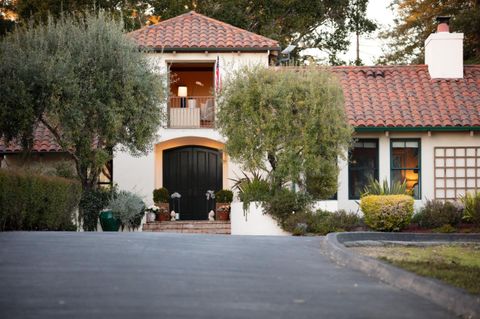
{"x": 362, "y": 166}
{"x": 405, "y": 165}
{"x": 457, "y": 171}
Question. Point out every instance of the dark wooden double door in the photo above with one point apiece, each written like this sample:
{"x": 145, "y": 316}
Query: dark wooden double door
{"x": 191, "y": 171}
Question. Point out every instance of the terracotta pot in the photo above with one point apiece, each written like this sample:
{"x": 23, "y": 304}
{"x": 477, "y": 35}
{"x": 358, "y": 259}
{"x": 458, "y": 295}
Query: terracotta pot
{"x": 222, "y": 211}
{"x": 163, "y": 213}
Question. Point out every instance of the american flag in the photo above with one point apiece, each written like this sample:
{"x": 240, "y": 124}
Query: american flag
{"x": 218, "y": 80}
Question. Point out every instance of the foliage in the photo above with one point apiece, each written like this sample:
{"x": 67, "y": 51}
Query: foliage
{"x": 437, "y": 213}
{"x": 251, "y": 188}
{"x": 35, "y": 202}
{"x": 324, "y": 184}
{"x": 387, "y": 212}
{"x": 374, "y": 187}
{"x": 224, "y": 196}
{"x": 161, "y": 195}
{"x": 359, "y": 23}
{"x": 472, "y": 207}
{"x": 91, "y": 204}
{"x": 128, "y": 208}
{"x": 416, "y": 21}
{"x": 285, "y": 123}
{"x": 446, "y": 229}
{"x": 87, "y": 83}
{"x": 321, "y": 222}
{"x": 283, "y": 202}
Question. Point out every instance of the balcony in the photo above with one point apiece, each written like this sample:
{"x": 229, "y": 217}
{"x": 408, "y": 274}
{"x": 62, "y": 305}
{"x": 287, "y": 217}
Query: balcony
{"x": 191, "y": 112}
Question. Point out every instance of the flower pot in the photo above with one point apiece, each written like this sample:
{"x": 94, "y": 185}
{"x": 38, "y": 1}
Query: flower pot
{"x": 108, "y": 221}
{"x": 163, "y": 213}
{"x": 222, "y": 211}
{"x": 151, "y": 217}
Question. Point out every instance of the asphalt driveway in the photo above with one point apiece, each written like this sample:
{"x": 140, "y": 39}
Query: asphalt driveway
{"x": 158, "y": 275}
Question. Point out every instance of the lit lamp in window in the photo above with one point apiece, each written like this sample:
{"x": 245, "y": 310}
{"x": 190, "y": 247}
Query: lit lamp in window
{"x": 183, "y": 93}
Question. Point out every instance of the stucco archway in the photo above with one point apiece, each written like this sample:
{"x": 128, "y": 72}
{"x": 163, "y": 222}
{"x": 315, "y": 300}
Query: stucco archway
{"x": 185, "y": 141}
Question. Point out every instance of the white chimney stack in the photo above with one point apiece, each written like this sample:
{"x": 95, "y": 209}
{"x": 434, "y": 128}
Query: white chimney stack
{"x": 444, "y": 52}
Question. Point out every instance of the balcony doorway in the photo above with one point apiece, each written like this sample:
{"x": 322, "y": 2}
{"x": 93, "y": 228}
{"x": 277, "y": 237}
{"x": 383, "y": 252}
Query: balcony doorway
{"x": 191, "y": 98}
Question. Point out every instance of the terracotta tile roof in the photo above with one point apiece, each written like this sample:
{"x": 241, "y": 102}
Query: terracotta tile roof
{"x": 381, "y": 96}
{"x": 194, "y": 31}
{"x": 43, "y": 142}
{"x": 405, "y": 96}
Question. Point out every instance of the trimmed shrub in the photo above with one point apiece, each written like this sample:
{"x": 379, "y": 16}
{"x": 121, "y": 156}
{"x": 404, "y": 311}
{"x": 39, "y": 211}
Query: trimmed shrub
{"x": 387, "y": 212}
{"x": 224, "y": 196}
{"x": 161, "y": 195}
{"x": 36, "y": 202}
{"x": 437, "y": 213}
{"x": 472, "y": 208}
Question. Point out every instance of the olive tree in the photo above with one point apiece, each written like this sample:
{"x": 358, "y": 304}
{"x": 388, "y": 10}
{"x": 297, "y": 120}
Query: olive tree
{"x": 287, "y": 122}
{"x": 87, "y": 83}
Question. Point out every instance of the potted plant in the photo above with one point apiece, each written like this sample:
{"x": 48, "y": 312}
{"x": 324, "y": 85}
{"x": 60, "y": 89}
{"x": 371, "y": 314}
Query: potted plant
{"x": 152, "y": 212}
{"x": 161, "y": 198}
{"x": 222, "y": 207}
{"x": 129, "y": 208}
{"x": 108, "y": 221}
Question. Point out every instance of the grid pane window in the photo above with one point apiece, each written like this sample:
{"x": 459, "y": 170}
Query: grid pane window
{"x": 363, "y": 165}
{"x": 406, "y": 164}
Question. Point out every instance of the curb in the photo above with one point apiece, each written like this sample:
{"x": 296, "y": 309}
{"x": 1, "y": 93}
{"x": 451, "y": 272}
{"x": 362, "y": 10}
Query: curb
{"x": 451, "y": 298}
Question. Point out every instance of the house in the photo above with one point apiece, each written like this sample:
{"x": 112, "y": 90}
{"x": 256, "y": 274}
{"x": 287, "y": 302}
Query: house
{"x": 413, "y": 123}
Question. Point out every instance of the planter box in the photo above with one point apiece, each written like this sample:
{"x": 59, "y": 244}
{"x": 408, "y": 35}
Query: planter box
{"x": 254, "y": 223}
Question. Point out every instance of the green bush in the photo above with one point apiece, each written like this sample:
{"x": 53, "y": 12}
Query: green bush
{"x": 437, "y": 213}
{"x": 35, "y": 202}
{"x": 256, "y": 190}
{"x": 321, "y": 222}
{"x": 224, "y": 196}
{"x": 283, "y": 202}
{"x": 91, "y": 205}
{"x": 129, "y": 208}
{"x": 387, "y": 212}
{"x": 374, "y": 187}
{"x": 161, "y": 195}
{"x": 472, "y": 208}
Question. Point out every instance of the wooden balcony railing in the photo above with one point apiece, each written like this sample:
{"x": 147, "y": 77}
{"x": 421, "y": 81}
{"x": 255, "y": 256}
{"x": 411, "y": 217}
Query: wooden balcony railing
{"x": 191, "y": 112}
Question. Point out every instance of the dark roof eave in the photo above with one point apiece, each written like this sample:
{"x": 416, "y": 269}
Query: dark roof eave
{"x": 367, "y": 129}
{"x": 211, "y": 49}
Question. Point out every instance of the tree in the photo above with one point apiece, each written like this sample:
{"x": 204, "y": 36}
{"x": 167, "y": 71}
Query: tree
{"x": 359, "y": 23}
{"x": 86, "y": 83}
{"x": 416, "y": 20}
{"x": 288, "y": 123}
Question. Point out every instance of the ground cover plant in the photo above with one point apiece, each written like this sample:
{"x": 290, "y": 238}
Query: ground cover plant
{"x": 457, "y": 265}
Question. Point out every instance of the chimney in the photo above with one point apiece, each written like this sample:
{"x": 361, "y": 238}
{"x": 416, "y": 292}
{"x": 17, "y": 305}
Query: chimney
{"x": 444, "y": 52}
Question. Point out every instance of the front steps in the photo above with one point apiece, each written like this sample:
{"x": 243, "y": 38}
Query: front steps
{"x": 192, "y": 226}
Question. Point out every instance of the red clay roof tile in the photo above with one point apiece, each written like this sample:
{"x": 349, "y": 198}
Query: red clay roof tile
{"x": 192, "y": 31}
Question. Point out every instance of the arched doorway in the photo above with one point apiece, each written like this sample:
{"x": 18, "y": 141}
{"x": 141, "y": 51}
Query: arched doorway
{"x": 191, "y": 171}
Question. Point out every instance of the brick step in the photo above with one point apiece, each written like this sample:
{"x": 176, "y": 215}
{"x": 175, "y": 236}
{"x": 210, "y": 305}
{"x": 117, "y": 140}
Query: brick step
{"x": 202, "y": 227}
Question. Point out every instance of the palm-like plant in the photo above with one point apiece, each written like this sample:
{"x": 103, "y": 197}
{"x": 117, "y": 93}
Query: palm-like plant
{"x": 375, "y": 187}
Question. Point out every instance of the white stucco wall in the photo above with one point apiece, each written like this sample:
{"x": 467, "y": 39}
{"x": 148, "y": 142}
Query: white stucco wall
{"x": 253, "y": 221}
{"x": 142, "y": 174}
{"x": 428, "y": 143}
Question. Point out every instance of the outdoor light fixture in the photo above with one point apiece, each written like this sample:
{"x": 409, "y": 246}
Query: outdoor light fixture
{"x": 183, "y": 93}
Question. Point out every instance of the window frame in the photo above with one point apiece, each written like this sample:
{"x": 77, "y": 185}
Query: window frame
{"x": 419, "y": 168}
{"x": 377, "y": 169}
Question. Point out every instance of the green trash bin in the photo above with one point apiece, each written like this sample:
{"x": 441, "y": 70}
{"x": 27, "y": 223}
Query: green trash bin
{"x": 108, "y": 222}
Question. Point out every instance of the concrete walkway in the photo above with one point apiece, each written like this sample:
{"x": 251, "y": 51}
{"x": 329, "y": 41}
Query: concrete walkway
{"x": 160, "y": 275}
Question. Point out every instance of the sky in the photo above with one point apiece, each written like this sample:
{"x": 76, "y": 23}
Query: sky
{"x": 371, "y": 46}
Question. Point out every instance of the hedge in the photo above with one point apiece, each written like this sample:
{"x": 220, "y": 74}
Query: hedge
{"x": 387, "y": 212}
{"x": 36, "y": 202}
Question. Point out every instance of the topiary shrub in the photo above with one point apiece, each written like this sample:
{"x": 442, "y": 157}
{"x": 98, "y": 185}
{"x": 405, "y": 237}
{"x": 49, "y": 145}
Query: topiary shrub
{"x": 437, "y": 213}
{"x": 387, "y": 212}
{"x": 161, "y": 195}
{"x": 224, "y": 196}
{"x": 36, "y": 202}
{"x": 128, "y": 208}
